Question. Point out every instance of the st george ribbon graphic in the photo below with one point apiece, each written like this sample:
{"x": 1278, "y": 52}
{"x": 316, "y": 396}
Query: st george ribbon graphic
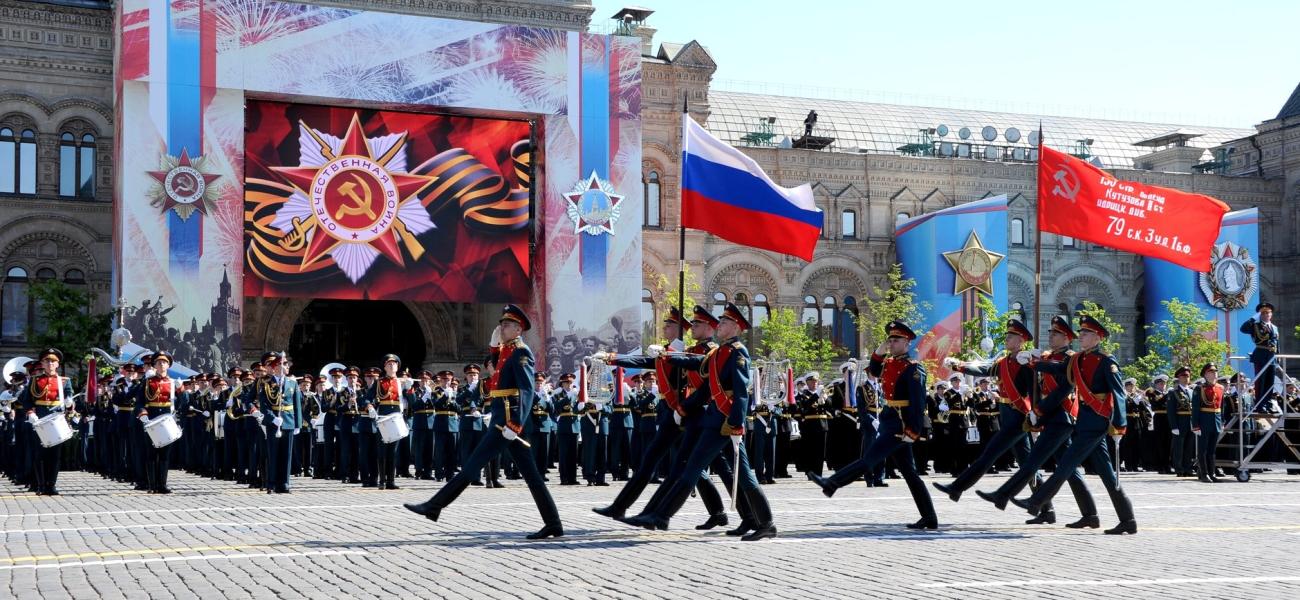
{"x": 351, "y": 206}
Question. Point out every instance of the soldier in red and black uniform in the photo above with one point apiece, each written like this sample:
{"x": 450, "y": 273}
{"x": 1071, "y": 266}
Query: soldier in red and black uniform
{"x": 674, "y": 382}
{"x": 154, "y": 398}
{"x": 1207, "y": 424}
{"x": 1101, "y": 413}
{"x": 1053, "y": 416}
{"x": 903, "y": 381}
{"x": 48, "y": 393}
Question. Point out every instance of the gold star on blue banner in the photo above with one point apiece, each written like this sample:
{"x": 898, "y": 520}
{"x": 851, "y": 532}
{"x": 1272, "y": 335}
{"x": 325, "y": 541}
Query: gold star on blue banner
{"x": 973, "y": 265}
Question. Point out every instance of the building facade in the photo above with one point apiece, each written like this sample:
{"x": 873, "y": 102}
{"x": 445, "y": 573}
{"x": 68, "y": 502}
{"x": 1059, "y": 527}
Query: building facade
{"x": 881, "y": 164}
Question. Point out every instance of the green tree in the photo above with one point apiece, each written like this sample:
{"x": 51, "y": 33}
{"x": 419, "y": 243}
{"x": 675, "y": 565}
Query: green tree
{"x": 1094, "y": 310}
{"x": 975, "y": 329}
{"x": 1187, "y": 337}
{"x": 69, "y": 324}
{"x": 896, "y": 302}
{"x": 663, "y": 287}
{"x": 784, "y": 337}
{"x": 1145, "y": 368}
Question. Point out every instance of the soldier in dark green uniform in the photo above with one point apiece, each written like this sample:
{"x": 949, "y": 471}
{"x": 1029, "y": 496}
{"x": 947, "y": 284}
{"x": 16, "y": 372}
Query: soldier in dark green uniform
{"x": 469, "y": 406}
{"x": 422, "y": 416}
{"x": 446, "y": 427}
{"x": 1178, "y": 412}
{"x": 511, "y": 385}
{"x": 565, "y": 402}
{"x": 279, "y": 406}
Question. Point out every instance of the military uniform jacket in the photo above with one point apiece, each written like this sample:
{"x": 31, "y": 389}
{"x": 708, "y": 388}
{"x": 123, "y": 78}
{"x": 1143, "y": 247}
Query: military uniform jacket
{"x": 1265, "y": 336}
{"x": 1056, "y": 400}
{"x": 446, "y": 415}
{"x": 541, "y": 415}
{"x": 646, "y": 408}
{"x": 422, "y": 408}
{"x": 156, "y": 396}
{"x": 725, "y": 374}
{"x": 1207, "y": 401}
{"x": 1015, "y": 383}
{"x": 1178, "y": 406}
{"x": 762, "y": 421}
{"x": 902, "y": 382}
{"x": 512, "y": 386}
{"x": 1096, "y": 380}
{"x": 814, "y": 409}
{"x": 468, "y": 402}
{"x": 595, "y": 420}
{"x": 674, "y": 381}
{"x": 280, "y": 397}
{"x": 41, "y": 396}
{"x": 566, "y": 411}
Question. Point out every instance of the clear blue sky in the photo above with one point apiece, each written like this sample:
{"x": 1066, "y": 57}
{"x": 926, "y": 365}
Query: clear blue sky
{"x": 1189, "y": 62}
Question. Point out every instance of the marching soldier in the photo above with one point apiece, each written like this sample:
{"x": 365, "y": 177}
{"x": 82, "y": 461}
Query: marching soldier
{"x": 47, "y": 393}
{"x": 1055, "y": 410}
{"x": 1178, "y": 411}
{"x": 568, "y": 428}
{"x": 511, "y": 385}
{"x": 1101, "y": 413}
{"x": 675, "y": 383}
{"x": 1264, "y": 333}
{"x": 903, "y": 380}
{"x": 1207, "y": 406}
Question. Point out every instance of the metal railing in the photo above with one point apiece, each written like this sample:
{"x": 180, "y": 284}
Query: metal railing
{"x": 1251, "y": 415}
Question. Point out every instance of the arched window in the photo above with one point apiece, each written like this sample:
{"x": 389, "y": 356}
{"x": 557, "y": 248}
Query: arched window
{"x": 761, "y": 310}
{"x": 39, "y": 325}
{"x": 1017, "y": 232}
{"x": 15, "y": 306}
{"x": 652, "y": 214}
{"x": 849, "y": 224}
{"x": 742, "y": 302}
{"x": 810, "y": 313}
{"x": 719, "y": 303}
{"x": 846, "y": 326}
{"x": 8, "y": 161}
{"x": 76, "y": 166}
{"x": 27, "y": 162}
{"x": 900, "y": 217}
{"x": 74, "y": 277}
{"x": 827, "y": 313}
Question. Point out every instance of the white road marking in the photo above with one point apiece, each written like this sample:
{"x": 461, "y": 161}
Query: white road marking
{"x": 1106, "y": 582}
{"x": 145, "y": 526}
{"x": 170, "y": 559}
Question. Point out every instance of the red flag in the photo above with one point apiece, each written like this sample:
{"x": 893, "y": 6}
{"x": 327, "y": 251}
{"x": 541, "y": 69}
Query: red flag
{"x": 92, "y": 381}
{"x": 789, "y": 386}
{"x": 618, "y": 386}
{"x": 1079, "y": 200}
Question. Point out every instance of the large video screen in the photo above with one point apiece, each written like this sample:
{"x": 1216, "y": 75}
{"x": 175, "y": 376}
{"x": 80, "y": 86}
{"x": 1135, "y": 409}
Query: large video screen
{"x": 354, "y": 204}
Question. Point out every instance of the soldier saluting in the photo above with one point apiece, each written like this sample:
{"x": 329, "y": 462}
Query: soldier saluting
{"x": 510, "y": 384}
{"x": 1264, "y": 333}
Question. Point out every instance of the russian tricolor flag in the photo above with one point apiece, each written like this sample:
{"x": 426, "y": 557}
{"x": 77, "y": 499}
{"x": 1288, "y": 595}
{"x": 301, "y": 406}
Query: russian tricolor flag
{"x": 727, "y": 194}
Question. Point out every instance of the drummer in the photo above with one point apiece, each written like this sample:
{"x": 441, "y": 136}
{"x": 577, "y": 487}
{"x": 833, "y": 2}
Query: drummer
{"x": 155, "y": 398}
{"x": 48, "y": 394}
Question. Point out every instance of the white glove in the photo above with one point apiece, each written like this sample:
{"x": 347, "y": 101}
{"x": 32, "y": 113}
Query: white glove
{"x": 1045, "y": 354}
{"x": 1173, "y": 431}
{"x": 230, "y": 403}
{"x": 372, "y": 412}
{"x": 31, "y": 418}
{"x": 882, "y": 348}
{"x": 496, "y": 337}
{"x": 1116, "y": 438}
{"x": 906, "y": 438}
{"x": 207, "y": 414}
{"x": 735, "y": 441}
{"x": 1196, "y": 431}
{"x": 278, "y": 421}
{"x": 1024, "y": 356}
{"x": 476, "y": 413}
{"x": 677, "y": 417}
{"x": 1033, "y": 419}
{"x": 509, "y": 434}
{"x": 943, "y": 406}
{"x": 951, "y": 362}
{"x": 654, "y": 351}
{"x": 144, "y": 418}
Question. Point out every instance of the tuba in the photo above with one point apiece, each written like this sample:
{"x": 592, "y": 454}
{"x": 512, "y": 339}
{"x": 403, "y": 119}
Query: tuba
{"x": 598, "y": 381}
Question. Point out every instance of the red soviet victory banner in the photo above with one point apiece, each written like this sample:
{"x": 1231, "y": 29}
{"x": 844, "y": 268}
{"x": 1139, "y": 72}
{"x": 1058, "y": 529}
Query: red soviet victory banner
{"x": 1078, "y": 200}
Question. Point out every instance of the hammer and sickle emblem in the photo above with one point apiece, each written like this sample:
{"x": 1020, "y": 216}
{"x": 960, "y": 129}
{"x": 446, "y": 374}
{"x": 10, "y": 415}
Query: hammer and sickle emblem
{"x": 359, "y": 206}
{"x": 185, "y": 184}
{"x": 297, "y": 239}
{"x": 1067, "y": 184}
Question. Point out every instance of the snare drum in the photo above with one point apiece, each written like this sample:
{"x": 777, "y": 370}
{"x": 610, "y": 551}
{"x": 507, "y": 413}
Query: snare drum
{"x": 163, "y": 430}
{"x": 392, "y": 428}
{"x": 53, "y": 429}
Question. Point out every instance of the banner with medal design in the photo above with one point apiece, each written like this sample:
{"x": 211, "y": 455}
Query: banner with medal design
{"x": 383, "y": 205}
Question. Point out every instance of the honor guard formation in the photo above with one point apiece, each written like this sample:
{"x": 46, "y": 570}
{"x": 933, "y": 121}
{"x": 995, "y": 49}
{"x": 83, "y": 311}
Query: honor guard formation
{"x": 674, "y": 416}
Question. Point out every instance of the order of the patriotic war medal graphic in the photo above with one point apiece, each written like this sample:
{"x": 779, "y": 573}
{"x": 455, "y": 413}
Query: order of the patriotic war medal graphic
{"x": 183, "y": 186}
{"x": 1232, "y": 279}
{"x": 973, "y": 266}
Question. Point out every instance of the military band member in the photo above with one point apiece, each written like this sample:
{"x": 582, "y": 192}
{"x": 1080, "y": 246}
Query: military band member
{"x": 762, "y": 440}
{"x": 1015, "y": 394}
{"x": 218, "y": 465}
{"x": 511, "y": 385}
{"x": 154, "y": 398}
{"x": 1265, "y": 334}
{"x": 645, "y": 410}
{"x": 1207, "y": 407}
{"x": 349, "y": 397}
{"x": 1102, "y": 413}
{"x": 232, "y": 428}
{"x": 304, "y": 453}
{"x": 870, "y": 406}
{"x": 327, "y": 468}
{"x": 903, "y": 381}
{"x": 567, "y": 428}
{"x": 842, "y": 427}
{"x": 1178, "y": 413}
{"x": 47, "y": 393}
{"x": 595, "y": 441}
{"x": 422, "y": 416}
{"x": 1156, "y": 445}
{"x": 1139, "y": 422}
{"x": 383, "y": 398}
{"x": 446, "y": 427}
{"x": 254, "y": 430}
{"x": 543, "y": 428}
{"x": 469, "y": 405}
{"x": 279, "y": 412}
{"x": 1054, "y": 414}
{"x": 675, "y": 383}
{"x": 814, "y": 414}
{"x": 123, "y": 403}
{"x": 367, "y": 430}
{"x": 621, "y": 428}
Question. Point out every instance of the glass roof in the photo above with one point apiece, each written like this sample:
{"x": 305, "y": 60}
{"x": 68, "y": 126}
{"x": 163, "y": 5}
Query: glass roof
{"x": 740, "y": 118}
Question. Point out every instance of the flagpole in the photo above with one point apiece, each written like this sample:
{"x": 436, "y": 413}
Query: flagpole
{"x": 1038, "y": 242}
{"x": 681, "y": 230}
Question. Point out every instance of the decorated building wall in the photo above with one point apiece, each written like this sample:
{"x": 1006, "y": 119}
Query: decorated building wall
{"x": 199, "y": 211}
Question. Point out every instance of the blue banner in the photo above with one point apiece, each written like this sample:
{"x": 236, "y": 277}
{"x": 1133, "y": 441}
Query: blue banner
{"x": 954, "y": 255}
{"x": 1228, "y": 293}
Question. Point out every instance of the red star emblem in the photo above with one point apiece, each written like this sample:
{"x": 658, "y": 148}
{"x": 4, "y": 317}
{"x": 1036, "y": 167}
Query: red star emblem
{"x": 184, "y": 186}
{"x": 354, "y": 145}
{"x": 593, "y": 206}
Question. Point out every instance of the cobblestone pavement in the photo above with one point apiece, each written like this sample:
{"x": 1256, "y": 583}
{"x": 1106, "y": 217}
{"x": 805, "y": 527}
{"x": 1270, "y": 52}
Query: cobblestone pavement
{"x": 325, "y": 540}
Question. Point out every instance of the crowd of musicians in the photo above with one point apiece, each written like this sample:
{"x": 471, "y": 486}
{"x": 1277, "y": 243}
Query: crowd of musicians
{"x": 1055, "y": 409}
